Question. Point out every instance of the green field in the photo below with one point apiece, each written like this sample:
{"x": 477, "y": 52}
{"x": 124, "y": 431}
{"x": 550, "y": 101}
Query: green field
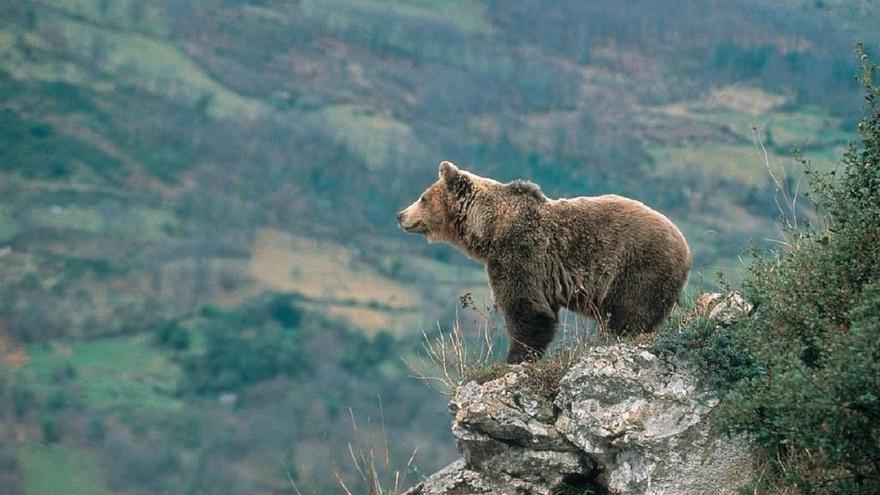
{"x": 9, "y": 228}
{"x": 137, "y": 223}
{"x": 59, "y": 469}
{"x": 740, "y": 163}
{"x": 146, "y": 62}
{"x": 465, "y": 15}
{"x": 817, "y": 137}
{"x": 124, "y": 373}
{"x": 70, "y": 217}
{"x": 376, "y": 137}
{"x": 154, "y": 65}
{"x": 147, "y": 16}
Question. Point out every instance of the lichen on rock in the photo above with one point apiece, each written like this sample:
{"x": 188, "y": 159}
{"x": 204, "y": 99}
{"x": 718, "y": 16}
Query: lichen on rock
{"x": 644, "y": 420}
{"x": 625, "y": 420}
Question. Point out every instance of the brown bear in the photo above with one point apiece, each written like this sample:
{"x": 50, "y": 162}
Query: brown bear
{"x": 607, "y": 257}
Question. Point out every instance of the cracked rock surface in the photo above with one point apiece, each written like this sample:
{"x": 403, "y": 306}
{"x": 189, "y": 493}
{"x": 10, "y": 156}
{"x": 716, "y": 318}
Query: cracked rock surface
{"x": 624, "y": 421}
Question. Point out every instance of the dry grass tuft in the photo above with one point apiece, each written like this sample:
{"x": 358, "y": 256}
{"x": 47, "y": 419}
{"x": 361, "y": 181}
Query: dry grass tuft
{"x": 454, "y": 358}
{"x": 369, "y": 454}
{"x": 372, "y": 461}
{"x": 486, "y": 373}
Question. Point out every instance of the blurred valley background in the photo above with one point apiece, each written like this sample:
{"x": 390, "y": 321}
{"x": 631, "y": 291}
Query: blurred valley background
{"x": 202, "y": 285}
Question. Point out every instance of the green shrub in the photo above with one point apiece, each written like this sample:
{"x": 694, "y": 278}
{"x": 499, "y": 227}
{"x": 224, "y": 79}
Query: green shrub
{"x": 247, "y": 345}
{"x": 171, "y": 334}
{"x": 810, "y": 393}
{"x": 96, "y": 429}
{"x": 64, "y": 374}
{"x": 363, "y": 355}
{"x": 23, "y": 400}
{"x": 49, "y": 428}
{"x": 712, "y": 349}
{"x": 57, "y": 400}
{"x": 283, "y": 311}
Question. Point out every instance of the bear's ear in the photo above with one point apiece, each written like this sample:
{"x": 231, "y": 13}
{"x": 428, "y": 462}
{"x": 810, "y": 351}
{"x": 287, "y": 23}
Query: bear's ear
{"x": 448, "y": 171}
{"x": 457, "y": 182}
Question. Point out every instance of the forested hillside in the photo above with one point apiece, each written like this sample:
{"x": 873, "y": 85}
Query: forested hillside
{"x": 202, "y": 282}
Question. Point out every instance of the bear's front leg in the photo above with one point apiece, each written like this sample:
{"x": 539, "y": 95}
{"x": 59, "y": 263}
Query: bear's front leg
{"x": 530, "y": 327}
{"x": 531, "y": 320}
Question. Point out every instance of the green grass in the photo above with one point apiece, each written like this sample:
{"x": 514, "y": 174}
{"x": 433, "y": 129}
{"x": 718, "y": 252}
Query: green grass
{"x": 732, "y": 270}
{"x": 124, "y": 373}
{"x": 154, "y": 65}
{"x": 376, "y": 137}
{"x": 741, "y": 163}
{"x": 9, "y": 228}
{"x": 136, "y": 223}
{"x": 38, "y": 149}
{"x": 151, "y": 64}
{"x": 387, "y": 26}
{"x": 69, "y": 217}
{"x": 487, "y": 372}
{"x": 807, "y": 128}
{"x": 740, "y": 123}
{"x": 14, "y": 43}
{"x": 445, "y": 273}
{"x": 147, "y": 16}
{"x": 465, "y": 15}
{"x": 147, "y": 224}
{"x": 59, "y": 469}
{"x": 715, "y": 252}
{"x": 818, "y": 136}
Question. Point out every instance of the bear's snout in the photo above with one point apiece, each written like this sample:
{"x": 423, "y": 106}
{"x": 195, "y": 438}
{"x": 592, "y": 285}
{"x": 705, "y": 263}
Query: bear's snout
{"x": 410, "y": 222}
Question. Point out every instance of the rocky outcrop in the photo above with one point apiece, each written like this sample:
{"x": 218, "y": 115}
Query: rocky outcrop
{"x": 623, "y": 420}
{"x": 723, "y": 309}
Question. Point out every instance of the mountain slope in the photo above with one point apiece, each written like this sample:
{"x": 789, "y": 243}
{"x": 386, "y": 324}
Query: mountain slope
{"x": 148, "y": 148}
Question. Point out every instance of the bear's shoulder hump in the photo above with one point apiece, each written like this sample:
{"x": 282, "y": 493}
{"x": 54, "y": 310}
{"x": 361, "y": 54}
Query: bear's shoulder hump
{"x": 527, "y": 188}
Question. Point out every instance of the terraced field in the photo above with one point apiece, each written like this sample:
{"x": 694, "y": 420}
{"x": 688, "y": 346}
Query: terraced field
{"x": 337, "y": 283}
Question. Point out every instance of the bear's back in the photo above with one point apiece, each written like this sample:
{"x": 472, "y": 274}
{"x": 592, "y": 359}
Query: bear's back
{"x": 616, "y": 230}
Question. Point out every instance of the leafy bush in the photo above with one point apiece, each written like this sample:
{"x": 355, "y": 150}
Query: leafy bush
{"x": 170, "y": 333}
{"x": 809, "y": 388}
{"x": 712, "y": 349}
{"x": 246, "y": 346}
{"x": 284, "y": 312}
{"x": 49, "y": 427}
{"x": 363, "y": 356}
{"x": 23, "y": 146}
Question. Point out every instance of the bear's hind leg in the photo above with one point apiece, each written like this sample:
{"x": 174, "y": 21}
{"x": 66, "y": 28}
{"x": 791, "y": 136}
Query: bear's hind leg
{"x": 530, "y": 327}
{"x": 640, "y": 309}
{"x": 627, "y": 320}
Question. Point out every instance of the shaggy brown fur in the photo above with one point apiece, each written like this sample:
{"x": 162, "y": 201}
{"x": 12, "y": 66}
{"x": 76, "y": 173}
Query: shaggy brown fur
{"x": 607, "y": 257}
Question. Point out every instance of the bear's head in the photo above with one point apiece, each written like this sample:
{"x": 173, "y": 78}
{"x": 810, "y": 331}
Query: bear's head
{"x": 467, "y": 210}
{"x": 440, "y": 210}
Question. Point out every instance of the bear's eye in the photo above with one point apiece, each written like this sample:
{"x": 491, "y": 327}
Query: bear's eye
{"x": 423, "y": 199}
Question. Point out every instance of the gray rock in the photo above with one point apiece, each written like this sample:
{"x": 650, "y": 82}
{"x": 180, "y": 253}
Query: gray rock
{"x": 724, "y": 309}
{"x": 504, "y": 428}
{"x": 458, "y": 479}
{"x": 629, "y": 420}
{"x": 454, "y": 479}
{"x": 643, "y": 419}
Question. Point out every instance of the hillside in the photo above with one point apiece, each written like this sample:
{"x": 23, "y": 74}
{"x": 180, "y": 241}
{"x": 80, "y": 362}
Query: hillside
{"x": 179, "y": 178}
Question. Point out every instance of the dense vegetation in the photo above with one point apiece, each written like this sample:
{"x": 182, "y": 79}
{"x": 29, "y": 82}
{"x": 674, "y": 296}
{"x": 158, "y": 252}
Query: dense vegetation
{"x": 801, "y": 374}
{"x": 199, "y": 266}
